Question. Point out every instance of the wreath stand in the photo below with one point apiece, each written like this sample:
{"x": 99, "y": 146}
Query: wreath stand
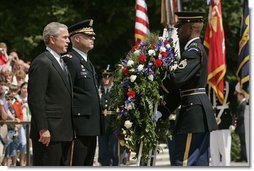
{"x": 151, "y": 158}
{"x": 153, "y": 152}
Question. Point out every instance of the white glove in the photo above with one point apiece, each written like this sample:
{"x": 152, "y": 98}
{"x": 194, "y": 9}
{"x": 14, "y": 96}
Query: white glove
{"x": 157, "y": 116}
{"x": 232, "y": 128}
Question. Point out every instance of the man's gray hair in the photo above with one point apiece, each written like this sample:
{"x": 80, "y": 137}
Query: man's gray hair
{"x": 52, "y": 29}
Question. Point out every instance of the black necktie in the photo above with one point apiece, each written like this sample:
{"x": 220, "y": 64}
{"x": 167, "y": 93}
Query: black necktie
{"x": 107, "y": 91}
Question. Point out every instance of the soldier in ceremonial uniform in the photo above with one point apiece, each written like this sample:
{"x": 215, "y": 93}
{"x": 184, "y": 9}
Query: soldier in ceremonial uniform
{"x": 108, "y": 143}
{"x": 196, "y": 117}
{"x": 220, "y": 140}
{"x": 87, "y": 118}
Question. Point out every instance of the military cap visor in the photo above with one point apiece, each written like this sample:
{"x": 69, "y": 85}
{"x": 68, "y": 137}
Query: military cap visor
{"x": 85, "y": 27}
{"x": 107, "y": 73}
{"x": 189, "y": 17}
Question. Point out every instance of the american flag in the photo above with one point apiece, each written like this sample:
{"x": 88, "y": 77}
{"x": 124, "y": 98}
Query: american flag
{"x": 142, "y": 23}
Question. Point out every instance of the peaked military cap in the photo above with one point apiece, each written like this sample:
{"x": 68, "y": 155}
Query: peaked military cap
{"x": 108, "y": 72}
{"x": 85, "y": 26}
{"x": 189, "y": 17}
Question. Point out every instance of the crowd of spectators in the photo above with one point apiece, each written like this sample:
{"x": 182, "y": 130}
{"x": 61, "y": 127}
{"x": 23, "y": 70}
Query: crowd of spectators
{"x": 13, "y": 107}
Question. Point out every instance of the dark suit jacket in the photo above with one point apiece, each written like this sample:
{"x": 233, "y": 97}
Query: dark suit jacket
{"x": 87, "y": 117}
{"x": 49, "y": 99}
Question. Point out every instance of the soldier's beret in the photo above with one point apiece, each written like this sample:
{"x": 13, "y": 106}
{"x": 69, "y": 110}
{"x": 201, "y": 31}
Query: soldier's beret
{"x": 189, "y": 17}
{"x": 85, "y": 26}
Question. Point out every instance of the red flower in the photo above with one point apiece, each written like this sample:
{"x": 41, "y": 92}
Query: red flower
{"x": 164, "y": 54}
{"x": 142, "y": 58}
{"x": 125, "y": 70}
{"x": 131, "y": 94}
{"x": 158, "y": 63}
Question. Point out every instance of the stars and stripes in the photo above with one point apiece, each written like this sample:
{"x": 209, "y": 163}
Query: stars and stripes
{"x": 142, "y": 22}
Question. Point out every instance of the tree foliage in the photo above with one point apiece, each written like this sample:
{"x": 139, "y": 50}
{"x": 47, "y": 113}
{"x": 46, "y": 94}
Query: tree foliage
{"x": 22, "y": 23}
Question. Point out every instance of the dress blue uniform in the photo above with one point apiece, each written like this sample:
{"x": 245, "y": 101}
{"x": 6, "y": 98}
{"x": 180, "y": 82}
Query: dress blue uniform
{"x": 108, "y": 142}
{"x": 196, "y": 117}
{"x": 220, "y": 140}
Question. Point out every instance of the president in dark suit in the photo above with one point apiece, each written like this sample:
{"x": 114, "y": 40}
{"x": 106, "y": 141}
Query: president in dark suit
{"x": 87, "y": 118}
{"x": 50, "y": 100}
{"x": 196, "y": 118}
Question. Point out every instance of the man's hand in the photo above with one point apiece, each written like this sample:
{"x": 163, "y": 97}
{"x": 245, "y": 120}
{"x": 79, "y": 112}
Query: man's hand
{"x": 45, "y": 137}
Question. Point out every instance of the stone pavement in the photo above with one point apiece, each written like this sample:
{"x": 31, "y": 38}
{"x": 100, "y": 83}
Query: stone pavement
{"x": 162, "y": 159}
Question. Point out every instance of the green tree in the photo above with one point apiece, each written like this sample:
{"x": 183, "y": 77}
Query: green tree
{"x": 22, "y": 23}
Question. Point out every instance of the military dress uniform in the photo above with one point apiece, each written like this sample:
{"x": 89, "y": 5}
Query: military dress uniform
{"x": 220, "y": 140}
{"x": 196, "y": 117}
{"x": 86, "y": 112}
{"x": 108, "y": 142}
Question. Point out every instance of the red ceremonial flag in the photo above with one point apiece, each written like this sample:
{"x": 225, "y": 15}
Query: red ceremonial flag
{"x": 142, "y": 23}
{"x": 215, "y": 42}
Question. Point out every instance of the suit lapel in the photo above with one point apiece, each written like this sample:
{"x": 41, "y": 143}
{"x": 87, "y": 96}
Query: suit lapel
{"x": 60, "y": 71}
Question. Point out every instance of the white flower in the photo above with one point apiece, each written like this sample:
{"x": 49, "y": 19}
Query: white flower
{"x": 136, "y": 52}
{"x": 129, "y": 106}
{"x": 151, "y": 52}
{"x": 133, "y": 78}
{"x": 130, "y": 62}
{"x": 140, "y": 67}
{"x": 150, "y": 77}
{"x": 168, "y": 45}
{"x": 128, "y": 124}
{"x": 132, "y": 70}
{"x": 162, "y": 49}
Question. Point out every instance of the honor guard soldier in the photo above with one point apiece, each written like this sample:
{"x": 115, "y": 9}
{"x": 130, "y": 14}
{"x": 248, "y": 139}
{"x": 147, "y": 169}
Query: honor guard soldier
{"x": 108, "y": 142}
{"x": 220, "y": 140}
{"x": 87, "y": 119}
{"x": 196, "y": 117}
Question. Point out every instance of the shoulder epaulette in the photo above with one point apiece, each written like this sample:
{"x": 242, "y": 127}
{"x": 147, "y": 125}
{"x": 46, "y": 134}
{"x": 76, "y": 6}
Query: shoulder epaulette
{"x": 67, "y": 56}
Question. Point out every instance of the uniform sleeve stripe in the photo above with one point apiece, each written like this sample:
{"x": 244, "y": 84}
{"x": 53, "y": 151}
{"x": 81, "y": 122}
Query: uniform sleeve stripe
{"x": 193, "y": 49}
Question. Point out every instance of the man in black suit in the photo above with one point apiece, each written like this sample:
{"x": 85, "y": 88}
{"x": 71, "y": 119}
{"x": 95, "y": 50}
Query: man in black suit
{"x": 87, "y": 118}
{"x": 196, "y": 118}
{"x": 50, "y": 100}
